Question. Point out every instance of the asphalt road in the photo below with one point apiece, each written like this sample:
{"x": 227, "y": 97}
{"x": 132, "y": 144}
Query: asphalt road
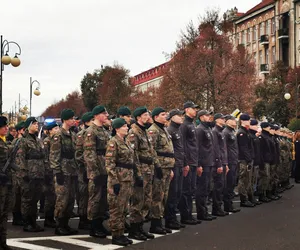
{"x": 275, "y": 225}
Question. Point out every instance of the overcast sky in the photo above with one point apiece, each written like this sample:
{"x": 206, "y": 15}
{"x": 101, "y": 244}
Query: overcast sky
{"x": 62, "y": 40}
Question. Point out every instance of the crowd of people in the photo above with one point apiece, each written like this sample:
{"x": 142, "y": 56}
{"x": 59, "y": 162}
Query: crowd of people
{"x": 141, "y": 166}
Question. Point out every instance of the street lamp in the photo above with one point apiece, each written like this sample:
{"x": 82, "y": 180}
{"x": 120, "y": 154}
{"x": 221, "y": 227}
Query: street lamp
{"x": 6, "y": 60}
{"x": 288, "y": 96}
{"x": 37, "y": 92}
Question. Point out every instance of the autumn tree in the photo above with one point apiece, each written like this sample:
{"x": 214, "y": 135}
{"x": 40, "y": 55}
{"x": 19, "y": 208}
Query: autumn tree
{"x": 72, "y": 101}
{"x": 208, "y": 70}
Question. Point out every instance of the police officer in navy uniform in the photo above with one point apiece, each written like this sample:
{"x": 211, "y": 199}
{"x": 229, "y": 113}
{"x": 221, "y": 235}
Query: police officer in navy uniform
{"x": 206, "y": 160}
{"x": 175, "y": 189}
{"x": 190, "y": 163}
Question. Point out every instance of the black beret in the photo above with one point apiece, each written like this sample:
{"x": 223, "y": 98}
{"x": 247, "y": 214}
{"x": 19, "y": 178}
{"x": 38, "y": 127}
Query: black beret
{"x": 229, "y": 117}
{"x": 98, "y": 110}
{"x": 245, "y": 117}
{"x": 124, "y": 111}
{"x": 86, "y": 117}
{"x": 20, "y": 125}
{"x": 3, "y": 121}
{"x": 264, "y": 125}
{"x": 67, "y": 114}
{"x": 156, "y": 111}
{"x": 276, "y": 127}
{"x": 139, "y": 111}
{"x": 29, "y": 121}
{"x": 253, "y": 122}
{"x": 51, "y": 125}
{"x": 203, "y": 112}
{"x": 219, "y": 116}
{"x": 174, "y": 112}
{"x": 118, "y": 123}
{"x": 190, "y": 104}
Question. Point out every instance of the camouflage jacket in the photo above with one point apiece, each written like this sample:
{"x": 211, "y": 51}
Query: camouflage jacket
{"x": 48, "y": 170}
{"x": 4, "y": 152}
{"x": 79, "y": 152}
{"x": 94, "y": 148}
{"x": 62, "y": 153}
{"x": 119, "y": 161}
{"x": 30, "y": 157}
{"x": 162, "y": 144}
{"x": 140, "y": 140}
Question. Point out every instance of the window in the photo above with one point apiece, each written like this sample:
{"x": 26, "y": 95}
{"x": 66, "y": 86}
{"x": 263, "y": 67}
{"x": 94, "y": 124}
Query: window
{"x": 254, "y": 33}
{"x": 261, "y": 29}
{"x": 260, "y": 57}
{"x": 243, "y": 37}
{"x": 273, "y": 26}
{"x": 267, "y": 56}
{"x": 249, "y": 36}
{"x": 273, "y": 54}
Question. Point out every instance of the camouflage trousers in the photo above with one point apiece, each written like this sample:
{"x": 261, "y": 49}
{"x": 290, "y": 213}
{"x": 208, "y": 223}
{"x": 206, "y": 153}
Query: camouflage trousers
{"x": 97, "y": 203}
{"x": 141, "y": 199}
{"x": 65, "y": 197}
{"x": 160, "y": 192}
{"x": 31, "y": 193}
{"x": 83, "y": 193}
{"x": 264, "y": 178}
{"x": 50, "y": 197}
{"x": 254, "y": 179}
{"x": 273, "y": 177}
{"x": 245, "y": 176}
{"x": 117, "y": 207}
{"x": 16, "y": 191}
{"x": 5, "y": 207}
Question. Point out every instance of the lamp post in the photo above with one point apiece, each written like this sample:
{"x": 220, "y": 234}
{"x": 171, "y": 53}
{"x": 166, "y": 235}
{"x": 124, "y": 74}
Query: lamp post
{"x": 6, "y": 60}
{"x": 288, "y": 96}
{"x": 37, "y": 92}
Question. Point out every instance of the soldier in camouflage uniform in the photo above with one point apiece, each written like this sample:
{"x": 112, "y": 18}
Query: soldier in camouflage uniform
{"x": 125, "y": 113}
{"x": 30, "y": 159}
{"x": 17, "y": 214}
{"x": 164, "y": 163}
{"x": 49, "y": 190}
{"x": 94, "y": 146}
{"x": 83, "y": 193}
{"x": 119, "y": 165}
{"x": 139, "y": 139}
{"x": 5, "y": 185}
{"x": 62, "y": 153}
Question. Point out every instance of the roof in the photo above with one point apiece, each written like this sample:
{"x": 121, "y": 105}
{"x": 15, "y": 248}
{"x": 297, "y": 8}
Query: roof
{"x": 149, "y": 74}
{"x": 259, "y": 6}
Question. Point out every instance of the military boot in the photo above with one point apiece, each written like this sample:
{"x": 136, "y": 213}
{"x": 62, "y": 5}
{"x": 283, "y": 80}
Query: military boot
{"x": 96, "y": 230}
{"x": 60, "y": 228}
{"x": 84, "y": 223}
{"x": 29, "y": 225}
{"x": 156, "y": 227}
{"x": 17, "y": 219}
{"x": 143, "y": 232}
{"x": 271, "y": 196}
{"x": 135, "y": 233}
{"x": 120, "y": 240}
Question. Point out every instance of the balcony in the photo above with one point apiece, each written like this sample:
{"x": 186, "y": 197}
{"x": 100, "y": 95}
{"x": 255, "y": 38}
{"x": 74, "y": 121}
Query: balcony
{"x": 283, "y": 33}
{"x": 264, "y": 69}
{"x": 264, "y": 40}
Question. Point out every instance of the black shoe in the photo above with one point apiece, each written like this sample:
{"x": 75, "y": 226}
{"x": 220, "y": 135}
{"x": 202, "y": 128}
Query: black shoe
{"x": 189, "y": 222}
{"x": 232, "y": 210}
{"x": 97, "y": 233}
{"x": 32, "y": 228}
{"x": 168, "y": 230}
{"x": 135, "y": 233}
{"x": 61, "y": 231}
{"x": 143, "y": 232}
{"x": 264, "y": 199}
{"x": 180, "y": 224}
{"x": 120, "y": 241}
{"x": 247, "y": 204}
{"x": 128, "y": 240}
{"x": 207, "y": 217}
{"x": 272, "y": 197}
{"x": 197, "y": 221}
{"x": 50, "y": 222}
{"x": 219, "y": 213}
{"x": 156, "y": 227}
{"x": 257, "y": 202}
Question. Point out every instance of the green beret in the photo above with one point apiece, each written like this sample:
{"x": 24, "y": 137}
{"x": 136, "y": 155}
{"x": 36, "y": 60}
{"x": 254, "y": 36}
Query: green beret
{"x": 29, "y": 121}
{"x": 118, "y": 123}
{"x": 156, "y": 111}
{"x": 139, "y": 111}
{"x": 86, "y": 117}
{"x": 51, "y": 125}
{"x": 67, "y": 114}
{"x": 20, "y": 125}
{"x": 124, "y": 111}
{"x": 98, "y": 110}
{"x": 3, "y": 121}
